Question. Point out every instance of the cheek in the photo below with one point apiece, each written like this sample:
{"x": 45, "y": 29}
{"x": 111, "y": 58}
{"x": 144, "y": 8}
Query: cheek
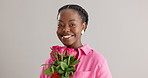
{"x": 58, "y": 31}
{"x": 77, "y": 31}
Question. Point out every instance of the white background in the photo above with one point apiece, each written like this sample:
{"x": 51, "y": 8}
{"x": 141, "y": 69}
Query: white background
{"x": 118, "y": 29}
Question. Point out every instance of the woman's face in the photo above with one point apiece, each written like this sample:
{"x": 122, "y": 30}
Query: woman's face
{"x": 69, "y": 27}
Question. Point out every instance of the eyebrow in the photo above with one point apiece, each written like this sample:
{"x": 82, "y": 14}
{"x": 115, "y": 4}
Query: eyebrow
{"x": 72, "y": 20}
{"x": 69, "y": 20}
{"x": 60, "y": 20}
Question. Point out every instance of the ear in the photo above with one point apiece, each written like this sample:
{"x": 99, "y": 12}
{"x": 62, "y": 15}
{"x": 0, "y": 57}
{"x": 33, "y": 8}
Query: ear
{"x": 84, "y": 26}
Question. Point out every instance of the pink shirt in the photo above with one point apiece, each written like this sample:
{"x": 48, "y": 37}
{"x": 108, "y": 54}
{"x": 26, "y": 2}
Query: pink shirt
{"x": 91, "y": 65}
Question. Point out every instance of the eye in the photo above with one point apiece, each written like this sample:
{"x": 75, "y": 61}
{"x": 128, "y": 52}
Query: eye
{"x": 60, "y": 25}
{"x": 71, "y": 25}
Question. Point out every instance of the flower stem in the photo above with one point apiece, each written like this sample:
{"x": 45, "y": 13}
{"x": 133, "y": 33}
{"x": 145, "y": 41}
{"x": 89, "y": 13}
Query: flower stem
{"x": 68, "y": 60}
{"x": 62, "y": 57}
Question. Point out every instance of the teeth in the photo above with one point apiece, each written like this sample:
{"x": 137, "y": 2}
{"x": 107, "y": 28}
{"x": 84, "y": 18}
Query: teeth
{"x": 67, "y": 36}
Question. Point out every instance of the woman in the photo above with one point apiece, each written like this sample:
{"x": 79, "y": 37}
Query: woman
{"x": 72, "y": 22}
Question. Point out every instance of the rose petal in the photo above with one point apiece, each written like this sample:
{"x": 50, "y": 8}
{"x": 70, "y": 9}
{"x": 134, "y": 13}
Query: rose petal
{"x": 71, "y": 52}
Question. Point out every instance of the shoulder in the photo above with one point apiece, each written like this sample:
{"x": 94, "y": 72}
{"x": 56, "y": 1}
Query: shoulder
{"x": 92, "y": 55}
{"x": 97, "y": 58}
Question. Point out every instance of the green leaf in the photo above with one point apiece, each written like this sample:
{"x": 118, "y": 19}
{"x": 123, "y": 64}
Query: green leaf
{"x": 56, "y": 62}
{"x": 46, "y": 64}
{"x": 65, "y": 61}
{"x": 55, "y": 53}
{"x": 60, "y": 71}
{"x": 62, "y": 76}
{"x": 71, "y": 69}
{"x": 57, "y": 67}
{"x": 72, "y": 73}
{"x": 51, "y": 48}
{"x": 74, "y": 63}
{"x": 63, "y": 65}
{"x": 56, "y": 57}
{"x": 72, "y": 59}
{"x": 67, "y": 74}
{"x": 52, "y": 69}
{"x": 48, "y": 71}
{"x": 61, "y": 57}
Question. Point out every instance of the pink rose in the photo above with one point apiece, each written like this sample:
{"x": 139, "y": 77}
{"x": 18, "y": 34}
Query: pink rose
{"x": 52, "y": 56}
{"x": 62, "y": 50}
{"x": 58, "y": 49}
{"x": 71, "y": 52}
{"x": 55, "y": 49}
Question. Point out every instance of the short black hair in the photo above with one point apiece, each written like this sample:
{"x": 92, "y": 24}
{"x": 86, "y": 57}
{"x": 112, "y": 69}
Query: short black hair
{"x": 81, "y": 11}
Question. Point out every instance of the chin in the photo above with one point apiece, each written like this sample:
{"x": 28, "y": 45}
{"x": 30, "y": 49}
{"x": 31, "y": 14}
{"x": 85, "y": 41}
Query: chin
{"x": 67, "y": 43}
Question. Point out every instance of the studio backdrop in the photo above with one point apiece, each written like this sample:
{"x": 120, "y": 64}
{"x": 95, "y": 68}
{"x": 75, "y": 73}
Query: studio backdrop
{"x": 117, "y": 29}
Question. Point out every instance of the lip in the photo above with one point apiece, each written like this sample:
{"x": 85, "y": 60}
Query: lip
{"x": 66, "y": 36}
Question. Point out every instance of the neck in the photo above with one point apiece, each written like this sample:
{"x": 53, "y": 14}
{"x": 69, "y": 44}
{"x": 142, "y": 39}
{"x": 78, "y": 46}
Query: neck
{"x": 76, "y": 45}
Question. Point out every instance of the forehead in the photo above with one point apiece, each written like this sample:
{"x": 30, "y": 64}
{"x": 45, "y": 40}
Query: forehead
{"x": 69, "y": 14}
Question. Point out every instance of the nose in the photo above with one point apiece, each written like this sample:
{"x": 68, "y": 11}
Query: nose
{"x": 66, "y": 28}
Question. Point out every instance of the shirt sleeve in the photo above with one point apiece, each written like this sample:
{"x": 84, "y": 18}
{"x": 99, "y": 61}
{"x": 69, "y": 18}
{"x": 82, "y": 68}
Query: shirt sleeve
{"x": 103, "y": 71}
{"x": 44, "y": 67}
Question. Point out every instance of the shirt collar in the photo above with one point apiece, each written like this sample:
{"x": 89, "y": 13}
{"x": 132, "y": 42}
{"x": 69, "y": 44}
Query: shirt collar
{"x": 85, "y": 48}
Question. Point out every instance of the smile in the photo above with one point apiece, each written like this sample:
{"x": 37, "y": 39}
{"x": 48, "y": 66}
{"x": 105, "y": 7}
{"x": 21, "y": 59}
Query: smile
{"x": 67, "y": 36}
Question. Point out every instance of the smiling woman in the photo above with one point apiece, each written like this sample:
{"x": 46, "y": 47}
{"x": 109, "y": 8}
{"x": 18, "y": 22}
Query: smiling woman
{"x": 72, "y": 22}
{"x": 70, "y": 26}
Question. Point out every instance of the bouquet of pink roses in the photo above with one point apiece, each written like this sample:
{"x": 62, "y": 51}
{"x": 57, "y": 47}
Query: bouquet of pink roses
{"x": 64, "y": 61}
